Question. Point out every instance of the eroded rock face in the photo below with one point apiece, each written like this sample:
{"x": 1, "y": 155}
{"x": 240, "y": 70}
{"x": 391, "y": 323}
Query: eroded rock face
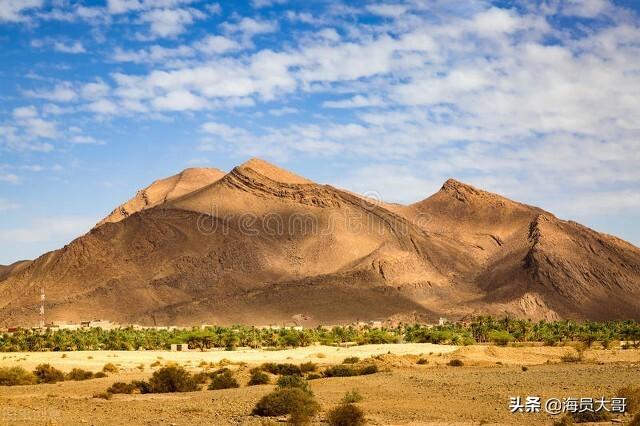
{"x": 260, "y": 245}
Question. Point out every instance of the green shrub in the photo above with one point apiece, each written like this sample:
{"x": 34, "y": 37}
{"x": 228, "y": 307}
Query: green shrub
{"x": 455, "y": 363}
{"x": 345, "y": 415}
{"x": 340, "y": 371}
{"x": 79, "y": 374}
{"x": 223, "y": 381}
{"x": 351, "y": 360}
{"x": 45, "y": 373}
{"x": 293, "y": 382}
{"x": 314, "y": 376}
{"x": 121, "y": 387}
{"x": 500, "y": 338}
{"x": 259, "y": 378}
{"x": 368, "y": 369}
{"x": 351, "y": 397}
{"x": 110, "y": 368}
{"x": 16, "y": 376}
{"x": 282, "y": 369}
{"x": 172, "y": 379}
{"x": 307, "y": 367}
{"x": 299, "y": 405}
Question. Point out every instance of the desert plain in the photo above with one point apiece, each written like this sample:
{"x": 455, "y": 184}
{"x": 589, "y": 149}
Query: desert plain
{"x": 403, "y": 392}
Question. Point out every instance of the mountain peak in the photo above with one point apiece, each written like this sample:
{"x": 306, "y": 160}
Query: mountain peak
{"x": 272, "y": 172}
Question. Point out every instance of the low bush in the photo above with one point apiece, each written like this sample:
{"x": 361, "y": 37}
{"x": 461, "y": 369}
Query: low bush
{"x": 100, "y": 375}
{"x": 103, "y": 395}
{"x": 422, "y": 361}
{"x": 121, "y": 387}
{"x": 110, "y": 368}
{"x": 223, "y": 381}
{"x": 340, "y": 371}
{"x": 259, "y": 377}
{"x": 351, "y": 360}
{"x": 172, "y": 379}
{"x": 572, "y": 357}
{"x": 45, "y": 373}
{"x": 143, "y": 387}
{"x": 294, "y": 382}
{"x": 455, "y": 363}
{"x": 201, "y": 378}
{"x": 307, "y": 367}
{"x": 314, "y": 376}
{"x": 632, "y": 394}
{"x": 281, "y": 369}
{"x": 591, "y": 416}
{"x": 352, "y": 397}
{"x": 16, "y": 376}
{"x": 524, "y": 368}
{"x": 79, "y": 374}
{"x": 368, "y": 369}
{"x": 299, "y": 405}
{"x": 345, "y": 415}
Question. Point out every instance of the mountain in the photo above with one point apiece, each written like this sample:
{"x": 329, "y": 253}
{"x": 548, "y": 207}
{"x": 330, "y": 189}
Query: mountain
{"x": 261, "y": 245}
{"x": 164, "y": 190}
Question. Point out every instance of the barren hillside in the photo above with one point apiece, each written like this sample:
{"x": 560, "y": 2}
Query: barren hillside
{"x": 260, "y": 245}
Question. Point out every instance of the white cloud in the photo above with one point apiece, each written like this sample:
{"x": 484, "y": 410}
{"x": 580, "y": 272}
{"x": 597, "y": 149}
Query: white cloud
{"x": 74, "y": 48}
{"x": 389, "y": 10}
{"x": 266, "y": 3}
{"x": 85, "y": 140}
{"x": 25, "y": 112}
{"x": 103, "y": 107}
{"x": 215, "y": 44}
{"x": 278, "y": 112}
{"x": 61, "y": 93}
{"x": 7, "y": 205}
{"x": 95, "y": 90}
{"x": 8, "y": 177}
{"x": 247, "y": 28}
{"x": 179, "y": 100}
{"x": 169, "y": 22}
{"x": 357, "y": 101}
{"x": 13, "y": 10}
{"x": 586, "y": 8}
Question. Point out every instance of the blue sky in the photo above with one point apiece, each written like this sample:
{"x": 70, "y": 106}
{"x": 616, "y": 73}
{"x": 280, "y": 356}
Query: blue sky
{"x": 537, "y": 101}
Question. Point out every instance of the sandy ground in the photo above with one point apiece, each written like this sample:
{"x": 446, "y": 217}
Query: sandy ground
{"x": 403, "y": 393}
{"x": 94, "y": 360}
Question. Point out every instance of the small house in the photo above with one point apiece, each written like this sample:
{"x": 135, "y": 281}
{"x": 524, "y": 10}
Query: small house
{"x": 179, "y": 347}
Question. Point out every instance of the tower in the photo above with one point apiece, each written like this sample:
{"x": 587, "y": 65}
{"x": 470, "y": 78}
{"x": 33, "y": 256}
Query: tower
{"x": 42, "y": 307}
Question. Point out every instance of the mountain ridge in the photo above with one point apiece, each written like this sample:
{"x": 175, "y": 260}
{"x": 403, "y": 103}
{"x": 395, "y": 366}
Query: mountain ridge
{"x": 260, "y": 244}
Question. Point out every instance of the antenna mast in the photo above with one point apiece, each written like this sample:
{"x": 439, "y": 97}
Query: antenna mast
{"x": 42, "y": 307}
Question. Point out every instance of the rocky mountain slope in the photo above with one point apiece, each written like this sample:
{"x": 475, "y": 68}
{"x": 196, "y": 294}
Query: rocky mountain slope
{"x": 260, "y": 245}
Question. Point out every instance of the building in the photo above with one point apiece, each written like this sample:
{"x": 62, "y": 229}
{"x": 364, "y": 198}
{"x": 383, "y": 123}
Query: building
{"x": 179, "y": 347}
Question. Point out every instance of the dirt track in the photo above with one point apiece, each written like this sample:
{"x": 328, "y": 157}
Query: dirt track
{"x": 403, "y": 393}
